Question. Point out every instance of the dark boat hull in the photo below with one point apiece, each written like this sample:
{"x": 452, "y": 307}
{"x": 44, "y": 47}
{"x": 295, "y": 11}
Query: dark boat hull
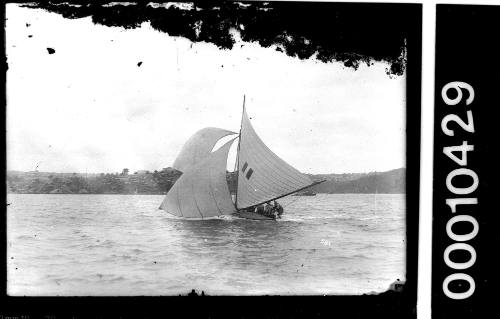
{"x": 252, "y": 215}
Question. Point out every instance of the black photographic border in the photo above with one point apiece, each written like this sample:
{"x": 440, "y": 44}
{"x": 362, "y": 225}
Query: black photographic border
{"x": 390, "y": 304}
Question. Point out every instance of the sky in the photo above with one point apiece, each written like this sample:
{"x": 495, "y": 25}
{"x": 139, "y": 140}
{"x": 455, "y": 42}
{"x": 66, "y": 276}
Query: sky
{"x": 89, "y": 107}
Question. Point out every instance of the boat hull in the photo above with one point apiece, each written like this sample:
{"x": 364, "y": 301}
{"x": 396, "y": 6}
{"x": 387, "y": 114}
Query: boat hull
{"x": 252, "y": 215}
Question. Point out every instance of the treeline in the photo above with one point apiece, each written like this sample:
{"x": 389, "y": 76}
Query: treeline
{"x": 144, "y": 182}
{"x": 159, "y": 182}
{"x": 390, "y": 182}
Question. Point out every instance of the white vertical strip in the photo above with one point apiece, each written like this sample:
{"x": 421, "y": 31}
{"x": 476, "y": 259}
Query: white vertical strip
{"x": 426, "y": 161}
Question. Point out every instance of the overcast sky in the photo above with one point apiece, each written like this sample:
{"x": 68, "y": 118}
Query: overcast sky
{"x": 89, "y": 107}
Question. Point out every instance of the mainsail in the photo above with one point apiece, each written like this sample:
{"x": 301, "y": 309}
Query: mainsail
{"x": 262, "y": 175}
{"x": 202, "y": 190}
{"x": 198, "y": 147}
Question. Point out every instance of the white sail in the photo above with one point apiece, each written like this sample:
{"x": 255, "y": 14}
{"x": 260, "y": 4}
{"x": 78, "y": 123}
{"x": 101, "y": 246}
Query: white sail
{"x": 202, "y": 189}
{"x": 262, "y": 175}
{"x": 198, "y": 147}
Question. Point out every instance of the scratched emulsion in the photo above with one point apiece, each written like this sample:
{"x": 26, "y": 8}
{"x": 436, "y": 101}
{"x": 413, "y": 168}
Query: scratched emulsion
{"x": 348, "y": 33}
{"x": 124, "y": 245}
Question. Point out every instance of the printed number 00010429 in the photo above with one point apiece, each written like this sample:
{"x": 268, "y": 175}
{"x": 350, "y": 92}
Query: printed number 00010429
{"x": 462, "y": 170}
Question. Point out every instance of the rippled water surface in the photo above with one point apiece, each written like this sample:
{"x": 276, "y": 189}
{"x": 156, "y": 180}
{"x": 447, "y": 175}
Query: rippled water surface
{"x": 125, "y": 245}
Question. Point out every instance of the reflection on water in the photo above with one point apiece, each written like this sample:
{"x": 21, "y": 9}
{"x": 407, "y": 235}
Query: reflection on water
{"x": 124, "y": 245}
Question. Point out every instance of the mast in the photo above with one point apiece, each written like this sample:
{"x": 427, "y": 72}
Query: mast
{"x": 238, "y": 154}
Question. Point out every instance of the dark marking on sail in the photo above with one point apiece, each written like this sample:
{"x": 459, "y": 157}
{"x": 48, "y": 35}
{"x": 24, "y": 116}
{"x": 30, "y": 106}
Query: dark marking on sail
{"x": 249, "y": 173}
{"x": 244, "y": 167}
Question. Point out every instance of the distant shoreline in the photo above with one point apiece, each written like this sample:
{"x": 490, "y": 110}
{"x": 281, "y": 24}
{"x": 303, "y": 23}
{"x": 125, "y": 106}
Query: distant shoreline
{"x": 159, "y": 182}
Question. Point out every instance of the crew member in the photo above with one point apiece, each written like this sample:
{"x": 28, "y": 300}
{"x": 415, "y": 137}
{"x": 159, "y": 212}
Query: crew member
{"x": 268, "y": 209}
{"x": 259, "y": 209}
{"x": 279, "y": 208}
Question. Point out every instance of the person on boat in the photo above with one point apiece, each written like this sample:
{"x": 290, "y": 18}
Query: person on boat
{"x": 268, "y": 209}
{"x": 259, "y": 209}
{"x": 278, "y": 208}
{"x": 274, "y": 214}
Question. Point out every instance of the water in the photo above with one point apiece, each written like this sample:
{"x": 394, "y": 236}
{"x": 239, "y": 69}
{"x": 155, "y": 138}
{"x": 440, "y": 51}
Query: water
{"x": 124, "y": 245}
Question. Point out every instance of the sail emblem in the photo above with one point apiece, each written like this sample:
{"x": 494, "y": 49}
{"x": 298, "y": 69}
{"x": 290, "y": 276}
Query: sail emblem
{"x": 250, "y": 170}
{"x": 249, "y": 173}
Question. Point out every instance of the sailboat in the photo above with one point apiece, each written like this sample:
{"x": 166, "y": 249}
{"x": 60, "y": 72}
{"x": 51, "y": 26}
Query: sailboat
{"x": 202, "y": 191}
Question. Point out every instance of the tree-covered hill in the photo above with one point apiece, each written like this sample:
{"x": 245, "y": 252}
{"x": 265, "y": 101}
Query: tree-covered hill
{"x": 159, "y": 182}
{"x": 141, "y": 182}
{"x": 390, "y": 182}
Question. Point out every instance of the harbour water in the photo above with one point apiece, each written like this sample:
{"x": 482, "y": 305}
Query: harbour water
{"x": 124, "y": 245}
